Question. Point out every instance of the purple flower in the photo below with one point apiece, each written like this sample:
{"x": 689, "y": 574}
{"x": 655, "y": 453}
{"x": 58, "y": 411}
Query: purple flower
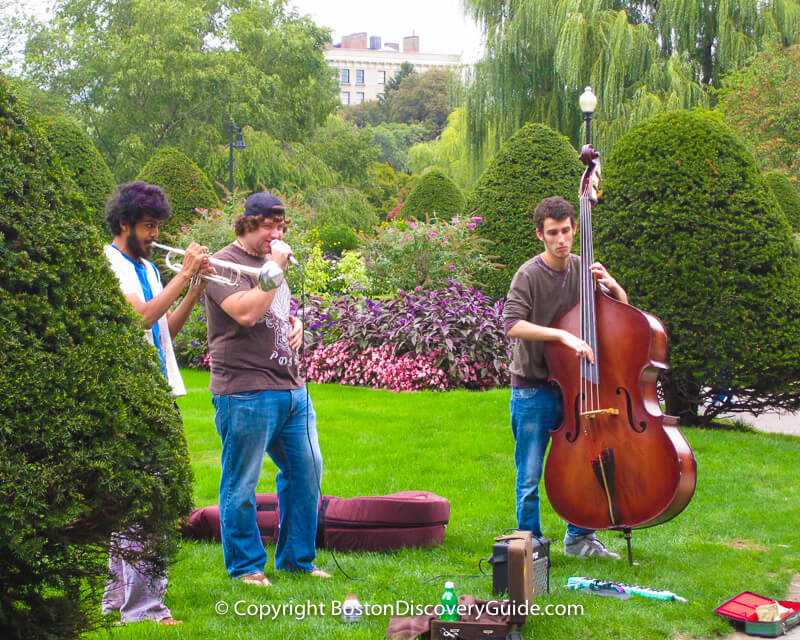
{"x": 476, "y": 219}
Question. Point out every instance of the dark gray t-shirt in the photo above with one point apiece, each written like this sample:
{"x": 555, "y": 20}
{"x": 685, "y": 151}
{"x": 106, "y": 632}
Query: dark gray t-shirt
{"x": 539, "y": 295}
{"x": 249, "y": 358}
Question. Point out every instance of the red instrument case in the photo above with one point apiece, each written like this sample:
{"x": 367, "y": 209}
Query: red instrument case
{"x": 379, "y": 523}
{"x": 741, "y": 611}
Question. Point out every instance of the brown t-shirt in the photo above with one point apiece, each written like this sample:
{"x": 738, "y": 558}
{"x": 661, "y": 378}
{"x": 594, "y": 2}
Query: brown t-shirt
{"x": 539, "y": 295}
{"x": 249, "y": 358}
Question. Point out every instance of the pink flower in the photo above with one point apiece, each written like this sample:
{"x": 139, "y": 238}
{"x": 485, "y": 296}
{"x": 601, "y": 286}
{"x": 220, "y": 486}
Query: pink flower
{"x": 476, "y": 219}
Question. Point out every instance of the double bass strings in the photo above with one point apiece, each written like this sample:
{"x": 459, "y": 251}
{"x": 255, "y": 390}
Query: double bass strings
{"x": 590, "y": 372}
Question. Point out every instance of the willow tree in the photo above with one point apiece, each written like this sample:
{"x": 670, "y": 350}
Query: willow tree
{"x": 641, "y": 58}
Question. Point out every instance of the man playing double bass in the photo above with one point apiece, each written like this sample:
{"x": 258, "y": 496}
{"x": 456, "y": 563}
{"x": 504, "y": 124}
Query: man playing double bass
{"x": 542, "y": 289}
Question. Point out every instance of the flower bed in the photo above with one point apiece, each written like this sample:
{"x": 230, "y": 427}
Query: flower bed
{"x": 423, "y": 339}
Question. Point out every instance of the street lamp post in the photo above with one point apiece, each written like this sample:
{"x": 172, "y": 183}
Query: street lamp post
{"x": 588, "y": 102}
{"x": 234, "y": 144}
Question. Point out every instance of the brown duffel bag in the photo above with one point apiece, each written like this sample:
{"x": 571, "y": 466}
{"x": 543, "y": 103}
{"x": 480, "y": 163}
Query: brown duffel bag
{"x": 378, "y": 523}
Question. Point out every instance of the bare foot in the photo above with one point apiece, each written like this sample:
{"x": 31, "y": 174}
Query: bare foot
{"x": 319, "y": 573}
{"x": 258, "y": 579}
{"x": 170, "y": 622}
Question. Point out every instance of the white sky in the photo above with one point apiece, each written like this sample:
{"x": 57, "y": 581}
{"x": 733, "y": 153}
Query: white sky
{"x": 441, "y": 25}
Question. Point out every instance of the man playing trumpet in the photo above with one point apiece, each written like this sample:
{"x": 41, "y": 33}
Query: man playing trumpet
{"x": 134, "y": 214}
{"x": 260, "y": 399}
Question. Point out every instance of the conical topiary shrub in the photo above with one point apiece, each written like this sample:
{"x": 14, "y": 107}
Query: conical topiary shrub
{"x": 83, "y": 163}
{"x": 91, "y": 440}
{"x": 434, "y": 194}
{"x": 185, "y": 184}
{"x": 534, "y": 163}
{"x": 688, "y": 226}
{"x": 787, "y": 196}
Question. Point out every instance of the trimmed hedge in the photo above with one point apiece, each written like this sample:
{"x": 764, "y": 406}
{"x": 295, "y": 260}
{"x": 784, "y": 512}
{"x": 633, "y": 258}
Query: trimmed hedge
{"x": 787, "y": 195}
{"x": 434, "y": 194}
{"x": 688, "y": 226}
{"x": 185, "y": 184}
{"x": 90, "y": 437}
{"x": 82, "y": 162}
{"x": 534, "y": 163}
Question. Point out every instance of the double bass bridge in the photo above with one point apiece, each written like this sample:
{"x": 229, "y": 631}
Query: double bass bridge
{"x": 599, "y": 412}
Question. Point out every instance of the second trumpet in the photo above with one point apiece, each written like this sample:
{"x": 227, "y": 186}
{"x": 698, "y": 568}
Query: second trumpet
{"x": 269, "y": 277}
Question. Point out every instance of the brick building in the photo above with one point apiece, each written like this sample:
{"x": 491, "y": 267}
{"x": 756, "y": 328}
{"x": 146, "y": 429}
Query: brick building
{"x": 364, "y": 67}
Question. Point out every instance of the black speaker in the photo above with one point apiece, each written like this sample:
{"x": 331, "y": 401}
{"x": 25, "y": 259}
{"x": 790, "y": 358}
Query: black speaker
{"x": 540, "y": 580}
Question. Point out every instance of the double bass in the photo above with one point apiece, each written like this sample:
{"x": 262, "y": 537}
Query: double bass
{"x": 616, "y": 461}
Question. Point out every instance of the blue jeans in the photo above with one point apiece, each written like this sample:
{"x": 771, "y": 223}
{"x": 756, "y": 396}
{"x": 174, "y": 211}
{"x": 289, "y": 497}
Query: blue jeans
{"x": 274, "y": 422}
{"x": 535, "y": 412}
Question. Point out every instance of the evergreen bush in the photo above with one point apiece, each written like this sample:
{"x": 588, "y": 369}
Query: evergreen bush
{"x": 83, "y": 163}
{"x": 185, "y": 184}
{"x": 787, "y": 195}
{"x": 688, "y": 226}
{"x": 90, "y": 437}
{"x": 534, "y": 163}
{"x": 435, "y": 195}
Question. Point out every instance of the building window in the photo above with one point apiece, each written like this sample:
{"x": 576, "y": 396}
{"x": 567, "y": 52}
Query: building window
{"x": 359, "y": 97}
{"x": 345, "y": 76}
{"x": 381, "y": 77}
{"x": 345, "y": 97}
{"x": 359, "y": 76}
{"x": 380, "y": 96}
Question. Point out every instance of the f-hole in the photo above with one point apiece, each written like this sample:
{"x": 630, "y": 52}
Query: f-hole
{"x": 640, "y": 428}
{"x": 572, "y": 437}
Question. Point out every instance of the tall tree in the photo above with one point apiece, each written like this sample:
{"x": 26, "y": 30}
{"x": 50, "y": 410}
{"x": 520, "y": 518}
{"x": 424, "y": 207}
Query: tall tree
{"x": 145, "y": 74}
{"x": 641, "y": 57}
{"x": 760, "y": 101}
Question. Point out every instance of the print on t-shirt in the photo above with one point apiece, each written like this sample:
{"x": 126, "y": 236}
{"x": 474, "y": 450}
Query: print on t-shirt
{"x": 277, "y": 319}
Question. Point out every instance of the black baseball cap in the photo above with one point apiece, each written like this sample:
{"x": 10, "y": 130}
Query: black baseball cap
{"x": 263, "y": 204}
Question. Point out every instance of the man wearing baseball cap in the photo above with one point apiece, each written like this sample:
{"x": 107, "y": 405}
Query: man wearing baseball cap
{"x": 261, "y": 402}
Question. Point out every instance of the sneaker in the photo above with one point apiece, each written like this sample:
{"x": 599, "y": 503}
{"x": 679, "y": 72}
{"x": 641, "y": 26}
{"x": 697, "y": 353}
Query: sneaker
{"x": 588, "y": 546}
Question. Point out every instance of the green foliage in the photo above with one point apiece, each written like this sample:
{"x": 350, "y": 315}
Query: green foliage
{"x": 92, "y": 442}
{"x": 535, "y": 163}
{"x": 268, "y": 163}
{"x": 787, "y": 196}
{"x": 434, "y": 194}
{"x": 423, "y": 98}
{"x": 327, "y": 277}
{"x": 344, "y": 149}
{"x": 407, "y": 254}
{"x": 211, "y": 228}
{"x": 148, "y": 74}
{"x": 760, "y": 101}
{"x": 688, "y": 226}
{"x": 185, "y": 184}
{"x": 343, "y": 206}
{"x": 642, "y": 58}
{"x": 387, "y": 188}
{"x": 449, "y": 152}
{"x": 337, "y": 238}
{"x": 83, "y": 163}
{"x": 393, "y": 140}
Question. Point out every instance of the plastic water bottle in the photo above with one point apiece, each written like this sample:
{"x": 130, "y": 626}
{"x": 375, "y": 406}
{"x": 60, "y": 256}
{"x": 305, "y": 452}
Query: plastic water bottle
{"x": 449, "y": 603}
{"x": 352, "y": 611}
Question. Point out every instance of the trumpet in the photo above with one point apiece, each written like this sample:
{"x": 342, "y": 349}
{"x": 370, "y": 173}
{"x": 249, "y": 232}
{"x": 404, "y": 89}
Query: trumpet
{"x": 269, "y": 277}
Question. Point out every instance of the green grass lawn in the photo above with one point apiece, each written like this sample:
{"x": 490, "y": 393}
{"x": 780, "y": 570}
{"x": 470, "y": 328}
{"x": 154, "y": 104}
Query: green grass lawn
{"x": 739, "y": 533}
